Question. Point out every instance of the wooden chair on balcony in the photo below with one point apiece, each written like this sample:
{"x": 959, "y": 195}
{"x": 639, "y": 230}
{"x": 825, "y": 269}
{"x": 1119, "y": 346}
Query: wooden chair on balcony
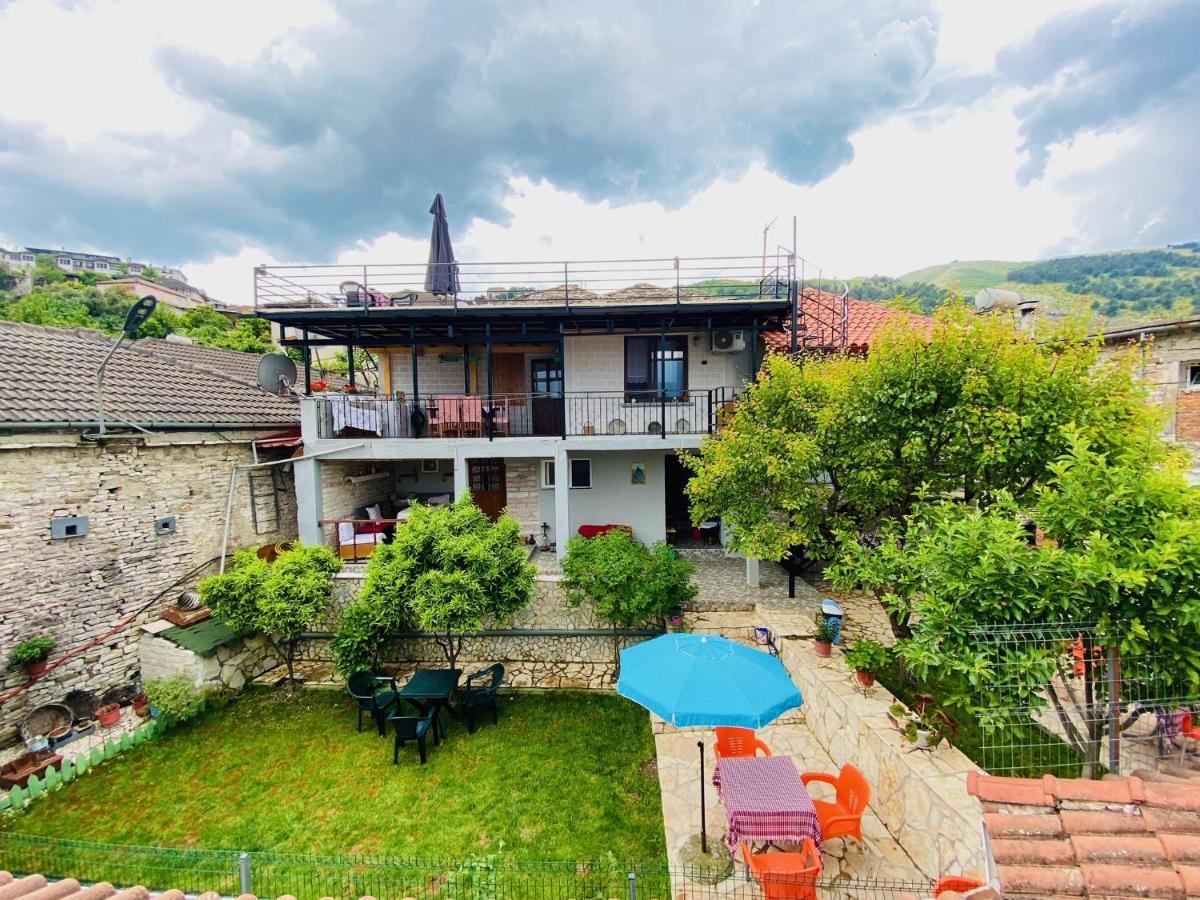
{"x": 735, "y": 742}
{"x": 843, "y": 816}
{"x": 786, "y": 876}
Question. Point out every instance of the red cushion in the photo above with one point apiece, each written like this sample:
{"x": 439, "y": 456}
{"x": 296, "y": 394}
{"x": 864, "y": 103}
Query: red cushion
{"x": 591, "y": 531}
{"x": 371, "y": 528}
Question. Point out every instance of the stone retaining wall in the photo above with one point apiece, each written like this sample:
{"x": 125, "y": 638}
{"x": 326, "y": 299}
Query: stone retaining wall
{"x": 920, "y": 796}
{"x": 231, "y": 666}
{"x": 530, "y": 660}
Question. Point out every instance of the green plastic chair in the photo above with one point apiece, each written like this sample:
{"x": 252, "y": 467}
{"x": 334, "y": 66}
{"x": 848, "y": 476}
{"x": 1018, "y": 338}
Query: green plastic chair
{"x": 415, "y": 728}
{"x": 364, "y": 688}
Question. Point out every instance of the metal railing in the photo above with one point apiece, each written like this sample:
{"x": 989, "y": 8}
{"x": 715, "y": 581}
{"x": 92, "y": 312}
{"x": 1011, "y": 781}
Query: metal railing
{"x": 491, "y": 877}
{"x": 566, "y": 283}
{"x": 569, "y": 414}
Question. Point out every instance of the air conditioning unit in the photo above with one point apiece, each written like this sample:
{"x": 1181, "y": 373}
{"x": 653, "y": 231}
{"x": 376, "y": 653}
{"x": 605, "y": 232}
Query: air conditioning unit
{"x": 728, "y": 340}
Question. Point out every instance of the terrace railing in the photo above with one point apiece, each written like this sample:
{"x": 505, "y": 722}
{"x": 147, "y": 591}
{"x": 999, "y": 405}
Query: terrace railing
{"x": 571, "y": 414}
{"x": 308, "y": 877}
{"x": 565, "y": 283}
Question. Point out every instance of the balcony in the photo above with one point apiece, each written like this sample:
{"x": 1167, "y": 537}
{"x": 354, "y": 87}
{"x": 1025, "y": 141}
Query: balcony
{"x": 569, "y": 414}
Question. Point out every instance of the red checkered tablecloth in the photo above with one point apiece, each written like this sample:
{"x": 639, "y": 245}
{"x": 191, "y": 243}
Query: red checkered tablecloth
{"x": 765, "y": 800}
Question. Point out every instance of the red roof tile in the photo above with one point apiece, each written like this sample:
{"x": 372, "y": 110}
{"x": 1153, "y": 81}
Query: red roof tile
{"x": 1113, "y": 838}
{"x": 865, "y": 321}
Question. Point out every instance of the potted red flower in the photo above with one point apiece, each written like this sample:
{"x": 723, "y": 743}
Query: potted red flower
{"x": 320, "y": 386}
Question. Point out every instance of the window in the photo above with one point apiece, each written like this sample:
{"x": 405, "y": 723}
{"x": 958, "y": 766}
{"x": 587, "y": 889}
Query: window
{"x": 26, "y": 257}
{"x": 547, "y": 473}
{"x": 655, "y": 368}
{"x": 581, "y": 473}
{"x": 64, "y": 261}
{"x": 1193, "y": 376}
{"x": 101, "y": 265}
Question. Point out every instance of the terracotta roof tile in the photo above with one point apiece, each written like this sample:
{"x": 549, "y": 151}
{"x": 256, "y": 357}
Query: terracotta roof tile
{"x": 865, "y": 321}
{"x": 1113, "y": 838}
{"x": 36, "y": 887}
{"x": 47, "y": 375}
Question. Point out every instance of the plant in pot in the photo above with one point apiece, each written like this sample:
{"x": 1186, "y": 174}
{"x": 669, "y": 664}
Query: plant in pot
{"x": 823, "y": 635}
{"x": 32, "y": 653}
{"x": 867, "y": 658}
{"x": 109, "y": 714}
{"x": 928, "y": 728}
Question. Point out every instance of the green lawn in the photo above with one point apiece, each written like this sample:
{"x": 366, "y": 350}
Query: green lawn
{"x": 564, "y": 776}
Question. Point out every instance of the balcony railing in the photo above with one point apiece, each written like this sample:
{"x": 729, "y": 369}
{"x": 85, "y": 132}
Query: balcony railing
{"x": 571, "y": 414}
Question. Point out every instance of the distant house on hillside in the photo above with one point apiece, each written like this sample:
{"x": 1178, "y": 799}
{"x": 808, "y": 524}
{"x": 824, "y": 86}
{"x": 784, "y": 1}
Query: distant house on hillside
{"x": 97, "y": 535}
{"x": 176, "y": 295}
{"x": 1170, "y": 368}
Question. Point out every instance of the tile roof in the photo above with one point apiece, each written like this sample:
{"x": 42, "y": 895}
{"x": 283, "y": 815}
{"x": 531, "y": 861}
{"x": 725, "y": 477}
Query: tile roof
{"x": 865, "y": 320}
{"x": 48, "y": 375}
{"x": 1113, "y": 838}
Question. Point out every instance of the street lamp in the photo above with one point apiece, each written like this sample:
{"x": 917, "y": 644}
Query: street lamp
{"x": 134, "y": 319}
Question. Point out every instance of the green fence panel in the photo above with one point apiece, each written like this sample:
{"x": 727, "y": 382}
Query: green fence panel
{"x": 68, "y": 770}
{"x": 82, "y": 764}
{"x": 36, "y": 788}
{"x": 110, "y": 749}
{"x": 96, "y": 756}
{"x": 18, "y": 796}
{"x": 53, "y": 779}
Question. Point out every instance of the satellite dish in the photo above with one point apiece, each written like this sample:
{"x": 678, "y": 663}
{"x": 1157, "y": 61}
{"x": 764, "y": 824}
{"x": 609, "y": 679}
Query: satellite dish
{"x": 276, "y": 373}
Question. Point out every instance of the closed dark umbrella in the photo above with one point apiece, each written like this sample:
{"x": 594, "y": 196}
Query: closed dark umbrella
{"x": 441, "y": 275}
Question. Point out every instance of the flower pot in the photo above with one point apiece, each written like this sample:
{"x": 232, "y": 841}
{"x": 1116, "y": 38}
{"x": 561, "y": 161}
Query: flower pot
{"x": 141, "y": 705}
{"x": 864, "y": 678}
{"x": 109, "y": 715}
{"x": 823, "y": 648}
{"x": 37, "y": 668}
{"x": 924, "y": 739}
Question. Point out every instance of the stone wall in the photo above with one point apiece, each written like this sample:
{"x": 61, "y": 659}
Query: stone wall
{"x": 523, "y": 495}
{"x": 93, "y": 588}
{"x": 231, "y": 666}
{"x": 920, "y": 796}
{"x": 584, "y": 660}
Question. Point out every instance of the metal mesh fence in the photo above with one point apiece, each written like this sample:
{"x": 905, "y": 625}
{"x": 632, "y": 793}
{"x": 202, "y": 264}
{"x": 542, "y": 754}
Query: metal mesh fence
{"x": 1067, "y": 701}
{"x": 309, "y": 877}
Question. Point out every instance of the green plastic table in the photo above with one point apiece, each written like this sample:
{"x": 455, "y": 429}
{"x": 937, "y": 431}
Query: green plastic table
{"x": 431, "y": 687}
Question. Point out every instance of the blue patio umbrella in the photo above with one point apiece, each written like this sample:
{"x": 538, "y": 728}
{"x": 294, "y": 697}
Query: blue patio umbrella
{"x": 441, "y": 273}
{"x": 704, "y": 681}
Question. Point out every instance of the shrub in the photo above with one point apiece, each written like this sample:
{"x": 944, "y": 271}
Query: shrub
{"x": 218, "y": 696}
{"x": 176, "y": 699}
{"x": 628, "y": 583}
{"x": 31, "y": 650}
{"x": 824, "y": 631}
{"x": 448, "y": 571}
{"x": 867, "y": 655}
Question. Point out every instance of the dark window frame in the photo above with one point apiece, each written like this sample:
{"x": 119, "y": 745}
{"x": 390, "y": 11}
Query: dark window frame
{"x": 571, "y": 474}
{"x": 651, "y": 391}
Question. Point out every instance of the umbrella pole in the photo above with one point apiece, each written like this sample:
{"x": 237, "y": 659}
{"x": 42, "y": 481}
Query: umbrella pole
{"x": 703, "y": 828}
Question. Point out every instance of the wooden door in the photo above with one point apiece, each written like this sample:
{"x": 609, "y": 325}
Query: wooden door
{"x": 487, "y": 484}
{"x": 546, "y": 384}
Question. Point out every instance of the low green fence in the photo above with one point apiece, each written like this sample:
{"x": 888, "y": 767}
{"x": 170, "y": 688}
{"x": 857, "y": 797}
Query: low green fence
{"x": 311, "y": 877}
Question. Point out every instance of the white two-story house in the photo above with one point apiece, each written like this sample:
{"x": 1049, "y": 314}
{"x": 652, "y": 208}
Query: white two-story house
{"x": 564, "y": 403}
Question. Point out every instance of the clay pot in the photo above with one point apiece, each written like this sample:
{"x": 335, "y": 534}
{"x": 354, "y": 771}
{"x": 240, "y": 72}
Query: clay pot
{"x": 864, "y": 678}
{"x": 823, "y": 648}
{"x": 37, "y": 668}
{"x": 141, "y": 705}
{"x": 109, "y": 714}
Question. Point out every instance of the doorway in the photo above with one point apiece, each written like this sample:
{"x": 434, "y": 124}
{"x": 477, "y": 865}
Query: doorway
{"x": 546, "y": 383}
{"x": 486, "y": 481}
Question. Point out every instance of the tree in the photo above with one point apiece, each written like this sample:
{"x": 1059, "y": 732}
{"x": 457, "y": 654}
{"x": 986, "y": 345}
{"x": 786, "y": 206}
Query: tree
{"x": 447, "y": 571}
{"x": 150, "y": 273}
{"x": 162, "y": 321}
{"x": 280, "y": 599}
{"x": 628, "y": 583}
{"x": 1121, "y": 552}
{"x": 823, "y": 445}
{"x": 46, "y": 270}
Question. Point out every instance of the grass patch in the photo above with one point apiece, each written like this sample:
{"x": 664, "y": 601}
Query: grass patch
{"x": 1023, "y": 749}
{"x": 562, "y": 777}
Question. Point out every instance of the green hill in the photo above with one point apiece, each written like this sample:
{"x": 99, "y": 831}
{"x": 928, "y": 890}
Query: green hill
{"x": 969, "y": 275}
{"x": 1107, "y": 287}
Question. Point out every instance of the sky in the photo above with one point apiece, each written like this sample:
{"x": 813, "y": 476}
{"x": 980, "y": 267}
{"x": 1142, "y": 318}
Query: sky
{"x": 219, "y": 135}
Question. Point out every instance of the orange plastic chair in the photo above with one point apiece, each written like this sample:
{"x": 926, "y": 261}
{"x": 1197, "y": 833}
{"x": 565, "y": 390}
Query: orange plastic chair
{"x": 843, "y": 817}
{"x": 786, "y": 876}
{"x": 735, "y": 742}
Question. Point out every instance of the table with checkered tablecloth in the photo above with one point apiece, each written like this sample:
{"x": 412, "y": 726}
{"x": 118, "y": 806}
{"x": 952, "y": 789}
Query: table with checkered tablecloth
{"x": 765, "y": 801}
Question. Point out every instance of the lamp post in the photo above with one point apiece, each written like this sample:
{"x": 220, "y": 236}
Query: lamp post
{"x": 134, "y": 319}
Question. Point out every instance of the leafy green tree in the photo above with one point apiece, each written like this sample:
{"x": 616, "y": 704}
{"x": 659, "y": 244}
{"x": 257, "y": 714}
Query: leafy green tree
{"x": 204, "y": 320}
{"x": 447, "y": 571}
{"x": 150, "y": 273}
{"x": 1121, "y": 550}
{"x": 46, "y": 270}
{"x": 825, "y": 445}
{"x": 628, "y": 583}
{"x": 162, "y": 321}
{"x": 280, "y": 599}
{"x": 61, "y": 305}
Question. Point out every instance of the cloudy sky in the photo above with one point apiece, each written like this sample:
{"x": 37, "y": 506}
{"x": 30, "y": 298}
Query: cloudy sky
{"x": 219, "y": 134}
